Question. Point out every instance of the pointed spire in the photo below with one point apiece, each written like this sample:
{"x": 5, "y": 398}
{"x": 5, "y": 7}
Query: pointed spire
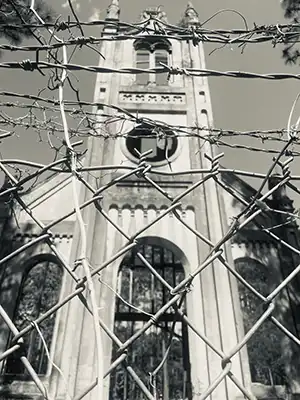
{"x": 191, "y": 17}
{"x": 112, "y": 17}
{"x": 113, "y": 10}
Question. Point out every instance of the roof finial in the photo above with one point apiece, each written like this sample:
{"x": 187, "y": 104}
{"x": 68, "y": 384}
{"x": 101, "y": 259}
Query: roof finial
{"x": 191, "y": 17}
{"x": 154, "y": 12}
{"x": 113, "y": 10}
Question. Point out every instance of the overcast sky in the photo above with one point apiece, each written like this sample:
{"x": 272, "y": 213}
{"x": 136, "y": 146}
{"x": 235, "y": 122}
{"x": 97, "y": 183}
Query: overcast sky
{"x": 237, "y": 104}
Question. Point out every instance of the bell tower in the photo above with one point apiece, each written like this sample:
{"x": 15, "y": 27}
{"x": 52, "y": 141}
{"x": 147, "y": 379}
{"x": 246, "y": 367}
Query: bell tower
{"x": 158, "y": 205}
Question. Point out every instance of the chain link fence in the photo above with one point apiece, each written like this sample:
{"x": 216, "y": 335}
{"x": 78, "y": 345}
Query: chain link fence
{"x": 169, "y": 287}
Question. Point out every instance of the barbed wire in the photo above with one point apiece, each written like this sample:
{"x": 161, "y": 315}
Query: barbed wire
{"x": 66, "y": 24}
{"x": 30, "y": 65}
{"x": 213, "y": 135}
{"x": 279, "y": 33}
{"x": 94, "y": 40}
{"x": 92, "y": 184}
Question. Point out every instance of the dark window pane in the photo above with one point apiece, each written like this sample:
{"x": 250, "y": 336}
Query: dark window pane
{"x": 158, "y": 292}
{"x": 169, "y": 276}
{"x": 161, "y": 56}
{"x": 123, "y": 277}
{"x": 148, "y": 253}
{"x": 179, "y": 277}
{"x": 157, "y": 255}
{"x": 38, "y": 293}
{"x": 142, "y": 61}
{"x": 168, "y": 256}
{"x": 146, "y": 353}
{"x": 172, "y": 380}
{"x": 142, "y": 289}
{"x": 163, "y": 144}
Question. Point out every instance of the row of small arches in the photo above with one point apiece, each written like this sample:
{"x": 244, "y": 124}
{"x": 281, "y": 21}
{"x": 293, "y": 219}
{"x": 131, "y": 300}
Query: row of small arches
{"x": 150, "y": 209}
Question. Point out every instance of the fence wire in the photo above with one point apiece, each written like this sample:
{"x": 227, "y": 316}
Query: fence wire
{"x": 68, "y": 161}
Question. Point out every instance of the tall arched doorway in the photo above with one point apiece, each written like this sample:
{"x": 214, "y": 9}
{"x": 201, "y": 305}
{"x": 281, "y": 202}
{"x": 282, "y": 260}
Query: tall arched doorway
{"x": 164, "y": 346}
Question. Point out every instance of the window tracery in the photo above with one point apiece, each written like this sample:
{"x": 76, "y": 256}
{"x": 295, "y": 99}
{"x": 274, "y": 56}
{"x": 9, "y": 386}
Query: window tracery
{"x": 150, "y": 54}
{"x": 146, "y": 295}
{"x": 162, "y": 142}
{"x": 39, "y": 291}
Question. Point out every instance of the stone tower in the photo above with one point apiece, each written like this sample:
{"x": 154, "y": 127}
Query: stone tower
{"x": 133, "y": 202}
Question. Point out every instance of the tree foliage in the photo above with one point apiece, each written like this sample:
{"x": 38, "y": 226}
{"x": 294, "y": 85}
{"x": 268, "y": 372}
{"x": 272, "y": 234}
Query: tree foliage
{"x": 265, "y": 353}
{"x": 17, "y": 12}
{"x": 291, "y": 8}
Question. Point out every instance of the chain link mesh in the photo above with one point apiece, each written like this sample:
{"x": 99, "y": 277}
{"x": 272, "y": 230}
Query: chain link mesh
{"x": 87, "y": 277}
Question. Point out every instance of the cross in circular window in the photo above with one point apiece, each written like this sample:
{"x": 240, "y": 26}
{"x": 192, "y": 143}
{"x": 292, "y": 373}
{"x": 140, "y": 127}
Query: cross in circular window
{"x": 162, "y": 143}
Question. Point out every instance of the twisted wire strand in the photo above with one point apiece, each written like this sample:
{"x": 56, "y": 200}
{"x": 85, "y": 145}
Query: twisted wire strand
{"x": 30, "y": 65}
{"x": 71, "y": 167}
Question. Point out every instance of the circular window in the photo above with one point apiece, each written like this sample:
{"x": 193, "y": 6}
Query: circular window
{"x": 162, "y": 142}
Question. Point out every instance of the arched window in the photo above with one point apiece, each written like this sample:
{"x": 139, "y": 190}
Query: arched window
{"x": 265, "y": 347}
{"x": 143, "y": 62}
{"x": 39, "y": 291}
{"x": 150, "y": 54}
{"x": 161, "y": 56}
{"x": 143, "y": 294}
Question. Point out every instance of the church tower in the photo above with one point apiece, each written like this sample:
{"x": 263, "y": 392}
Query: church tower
{"x": 167, "y": 218}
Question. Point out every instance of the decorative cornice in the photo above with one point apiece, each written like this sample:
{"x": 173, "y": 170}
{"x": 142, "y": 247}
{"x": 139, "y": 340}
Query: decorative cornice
{"x": 31, "y": 235}
{"x": 122, "y": 207}
{"x": 154, "y": 12}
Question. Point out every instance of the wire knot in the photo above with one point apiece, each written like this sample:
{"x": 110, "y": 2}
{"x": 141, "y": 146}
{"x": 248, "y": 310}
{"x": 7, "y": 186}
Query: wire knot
{"x": 196, "y": 39}
{"x": 27, "y": 65}
{"x": 62, "y": 26}
{"x": 178, "y": 71}
{"x": 81, "y": 40}
{"x": 174, "y": 70}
